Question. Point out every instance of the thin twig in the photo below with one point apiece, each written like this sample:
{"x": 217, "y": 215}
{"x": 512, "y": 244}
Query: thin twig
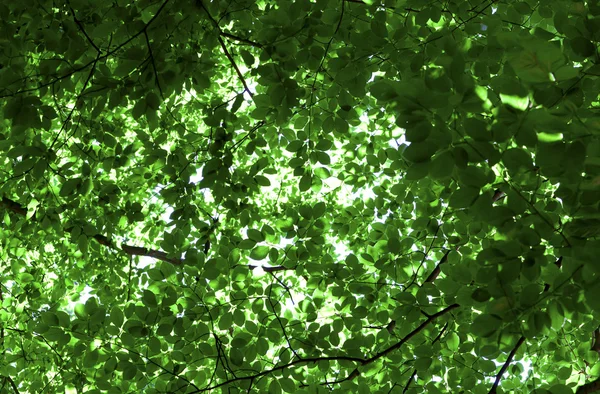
{"x": 240, "y": 39}
{"x": 153, "y": 64}
{"x": 93, "y": 62}
{"x": 225, "y": 50}
{"x": 80, "y": 25}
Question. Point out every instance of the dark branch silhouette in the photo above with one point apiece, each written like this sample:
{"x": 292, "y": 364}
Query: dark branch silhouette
{"x": 361, "y": 362}
{"x": 591, "y": 387}
{"x": 505, "y": 365}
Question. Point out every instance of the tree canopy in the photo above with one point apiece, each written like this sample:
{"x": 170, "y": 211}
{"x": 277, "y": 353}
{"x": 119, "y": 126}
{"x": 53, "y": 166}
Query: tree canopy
{"x": 350, "y": 196}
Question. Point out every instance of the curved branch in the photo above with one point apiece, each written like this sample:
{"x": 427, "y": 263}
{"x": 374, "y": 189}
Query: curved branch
{"x": 355, "y": 372}
{"x": 591, "y": 387}
{"x": 410, "y": 334}
{"x": 153, "y": 64}
{"x": 282, "y": 367}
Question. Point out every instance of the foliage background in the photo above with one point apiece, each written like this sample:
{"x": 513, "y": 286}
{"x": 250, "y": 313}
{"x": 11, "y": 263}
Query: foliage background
{"x": 297, "y": 196}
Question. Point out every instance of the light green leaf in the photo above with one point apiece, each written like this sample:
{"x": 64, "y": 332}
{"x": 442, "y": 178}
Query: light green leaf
{"x": 259, "y": 252}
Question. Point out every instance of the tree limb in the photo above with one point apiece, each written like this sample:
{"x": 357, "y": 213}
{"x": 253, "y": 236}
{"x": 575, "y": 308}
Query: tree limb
{"x": 240, "y": 39}
{"x": 225, "y": 50}
{"x": 80, "y": 25}
{"x": 101, "y": 239}
{"x": 282, "y": 367}
{"x": 596, "y": 340}
{"x": 355, "y": 372}
{"x": 506, "y": 364}
{"x": 411, "y": 334}
{"x": 409, "y": 381}
{"x": 272, "y": 269}
{"x": 590, "y": 387}
{"x": 12, "y": 383}
{"x": 436, "y": 271}
{"x": 93, "y": 62}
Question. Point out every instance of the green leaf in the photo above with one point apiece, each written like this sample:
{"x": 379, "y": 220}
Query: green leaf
{"x": 394, "y": 245}
{"x": 582, "y": 46}
{"x": 592, "y": 297}
{"x": 69, "y": 187}
{"x": 164, "y": 329}
{"x": 420, "y": 151}
{"x": 383, "y": 91}
{"x": 90, "y": 358}
{"x": 239, "y": 342}
{"x": 262, "y": 180}
{"x": 117, "y": 317}
{"x": 477, "y": 129}
{"x": 423, "y": 364}
{"x": 275, "y": 387}
{"x": 452, "y": 341}
{"x": 154, "y": 345}
{"x": 236, "y": 357}
{"x": 305, "y": 182}
{"x": 288, "y": 385}
{"x": 583, "y": 228}
{"x": 50, "y": 318}
{"x": 515, "y": 159}
{"x": 485, "y": 325}
{"x": 319, "y": 209}
{"x": 247, "y": 57}
{"x": 561, "y": 389}
{"x": 442, "y": 166}
{"x": 259, "y": 252}
{"x": 255, "y": 235}
{"x": 149, "y": 298}
{"x": 153, "y": 101}
{"x": 463, "y": 197}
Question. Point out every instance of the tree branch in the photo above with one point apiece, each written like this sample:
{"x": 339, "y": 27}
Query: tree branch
{"x": 224, "y": 47}
{"x": 282, "y": 367}
{"x": 409, "y": 381}
{"x": 80, "y": 25}
{"x": 12, "y": 383}
{"x": 93, "y": 62}
{"x": 410, "y": 334}
{"x": 505, "y": 366}
{"x": 14, "y": 206}
{"x": 355, "y": 372}
{"x": 153, "y": 64}
{"x": 436, "y": 271}
{"x": 101, "y": 239}
{"x": 558, "y": 263}
{"x": 590, "y": 387}
{"x": 271, "y": 269}
{"x": 240, "y": 39}
{"x": 235, "y": 67}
